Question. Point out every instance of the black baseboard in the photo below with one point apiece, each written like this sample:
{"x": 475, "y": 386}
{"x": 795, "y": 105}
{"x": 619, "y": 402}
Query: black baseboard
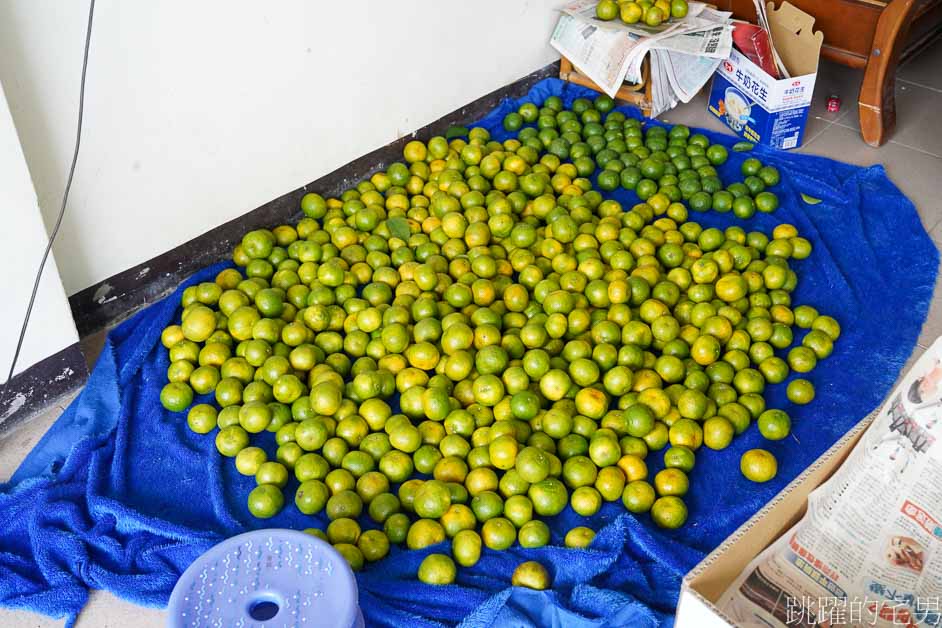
{"x": 39, "y": 385}
{"x": 107, "y": 302}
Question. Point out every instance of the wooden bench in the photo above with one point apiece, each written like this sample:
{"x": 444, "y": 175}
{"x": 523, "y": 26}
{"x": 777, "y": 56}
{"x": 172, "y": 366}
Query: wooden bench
{"x": 873, "y": 35}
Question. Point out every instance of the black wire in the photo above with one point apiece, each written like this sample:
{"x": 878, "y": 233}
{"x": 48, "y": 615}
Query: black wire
{"x": 65, "y": 196}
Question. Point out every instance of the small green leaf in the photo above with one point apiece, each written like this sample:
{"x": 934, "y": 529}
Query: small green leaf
{"x": 810, "y": 199}
{"x": 742, "y": 147}
{"x": 456, "y": 131}
{"x": 399, "y": 228}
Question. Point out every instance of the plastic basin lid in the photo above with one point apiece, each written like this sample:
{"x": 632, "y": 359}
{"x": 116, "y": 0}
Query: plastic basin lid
{"x": 270, "y": 578}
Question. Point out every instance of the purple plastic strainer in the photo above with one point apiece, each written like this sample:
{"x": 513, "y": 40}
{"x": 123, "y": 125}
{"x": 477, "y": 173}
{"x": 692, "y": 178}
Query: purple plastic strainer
{"x": 267, "y": 578}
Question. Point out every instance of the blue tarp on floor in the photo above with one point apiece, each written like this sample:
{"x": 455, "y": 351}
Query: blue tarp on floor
{"x": 121, "y": 495}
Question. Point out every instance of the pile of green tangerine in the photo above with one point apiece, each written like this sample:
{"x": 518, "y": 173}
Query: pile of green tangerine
{"x": 471, "y": 340}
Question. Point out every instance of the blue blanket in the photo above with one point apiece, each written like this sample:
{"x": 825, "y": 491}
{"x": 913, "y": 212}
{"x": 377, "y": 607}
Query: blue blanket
{"x": 121, "y": 495}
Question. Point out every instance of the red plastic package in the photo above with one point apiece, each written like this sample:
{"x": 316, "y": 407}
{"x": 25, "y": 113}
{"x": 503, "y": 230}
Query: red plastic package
{"x": 753, "y": 41}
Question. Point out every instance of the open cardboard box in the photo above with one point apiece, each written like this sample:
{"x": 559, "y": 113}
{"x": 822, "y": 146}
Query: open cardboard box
{"x": 763, "y": 109}
{"x": 707, "y": 582}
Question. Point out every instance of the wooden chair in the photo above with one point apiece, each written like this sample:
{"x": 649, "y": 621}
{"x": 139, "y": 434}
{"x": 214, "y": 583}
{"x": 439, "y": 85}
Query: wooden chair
{"x": 874, "y": 35}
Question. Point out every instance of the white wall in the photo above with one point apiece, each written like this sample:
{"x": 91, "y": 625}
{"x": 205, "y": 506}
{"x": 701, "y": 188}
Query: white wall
{"x": 22, "y": 241}
{"x": 197, "y": 112}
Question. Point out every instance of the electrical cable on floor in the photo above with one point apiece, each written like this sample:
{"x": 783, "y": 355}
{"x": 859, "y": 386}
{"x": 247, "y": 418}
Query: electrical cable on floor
{"x": 65, "y": 196}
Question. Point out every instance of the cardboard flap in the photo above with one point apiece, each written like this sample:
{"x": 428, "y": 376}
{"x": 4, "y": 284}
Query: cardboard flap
{"x": 793, "y": 36}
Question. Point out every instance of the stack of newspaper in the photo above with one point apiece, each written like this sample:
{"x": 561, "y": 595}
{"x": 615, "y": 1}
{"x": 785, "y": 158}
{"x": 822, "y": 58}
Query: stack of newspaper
{"x": 684, "y": 53}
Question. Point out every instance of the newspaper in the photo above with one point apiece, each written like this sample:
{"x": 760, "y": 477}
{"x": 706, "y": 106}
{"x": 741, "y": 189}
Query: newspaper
{"x": 677, "y": 77}
{"x": 602, "y": 55}
{"x": 687, "y": 74}
{"x": 611, "y": 53}
{"x": 869, "y": 549}
{"x": 662, "y": 97}
{"x": 716, "y": 42}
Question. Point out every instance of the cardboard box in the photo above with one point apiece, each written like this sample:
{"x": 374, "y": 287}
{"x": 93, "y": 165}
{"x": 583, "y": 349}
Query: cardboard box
{"x": 758, "y": 107}
{"x": 707, "y": 582}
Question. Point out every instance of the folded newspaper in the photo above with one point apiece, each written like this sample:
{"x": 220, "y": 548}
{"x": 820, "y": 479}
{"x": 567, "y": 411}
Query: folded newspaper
{"x": 868, "y": 552}
{"x": 683, "y": 53}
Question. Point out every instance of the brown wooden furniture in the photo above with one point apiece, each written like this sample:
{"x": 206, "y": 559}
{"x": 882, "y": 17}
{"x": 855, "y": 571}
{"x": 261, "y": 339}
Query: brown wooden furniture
{"x": 638, "y": 94}
{"x": 874, "y": 35}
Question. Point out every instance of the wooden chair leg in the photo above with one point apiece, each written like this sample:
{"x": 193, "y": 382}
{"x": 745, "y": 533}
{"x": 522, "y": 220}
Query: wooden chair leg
{"x": 565, "y": 68}
{"x": 877, "y": 102}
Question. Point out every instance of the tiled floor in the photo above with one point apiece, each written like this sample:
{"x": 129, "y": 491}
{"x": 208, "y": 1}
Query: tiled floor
{"x": 913, "y": 159}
